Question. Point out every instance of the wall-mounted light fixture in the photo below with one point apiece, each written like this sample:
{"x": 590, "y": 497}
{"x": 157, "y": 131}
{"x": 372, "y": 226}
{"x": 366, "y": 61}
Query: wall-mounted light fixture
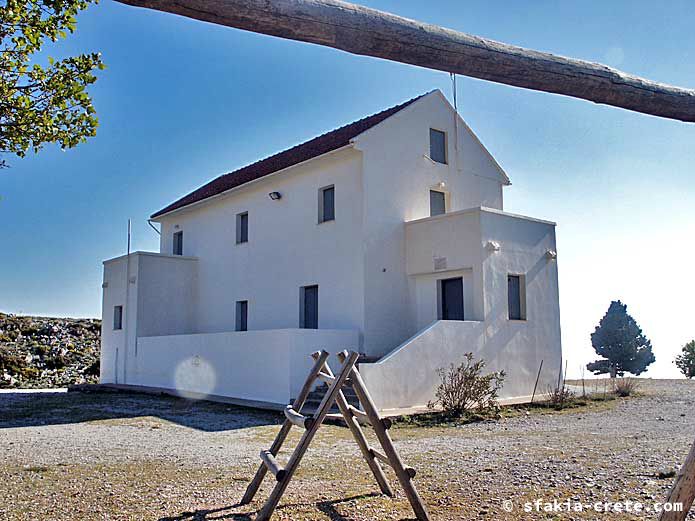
{"x": 275, "y": 196}
{"x": 441, "y": 184}
{"x": 551, "y": 254}
{"x": 492, "y": 246}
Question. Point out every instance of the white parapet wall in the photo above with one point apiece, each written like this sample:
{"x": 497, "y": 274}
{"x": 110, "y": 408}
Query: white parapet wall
{"x": 407, "y": 378}
{"x": 262, "y": 367}
{"x": 483, "y": 246}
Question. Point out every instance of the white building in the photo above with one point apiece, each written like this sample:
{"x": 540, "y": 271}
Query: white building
{"x": 386, "y": 236}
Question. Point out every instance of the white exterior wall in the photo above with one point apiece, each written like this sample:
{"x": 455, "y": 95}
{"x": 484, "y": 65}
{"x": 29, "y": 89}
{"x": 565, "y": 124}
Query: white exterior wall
{"x": 255, "y": 366}
{"x": 287, "y": 248}
{"x": 113, "y": 341}
{"x": 397, "y": 179}
{"x": 167, "y": 290}
{"x": 159, "y": 299}
{"x": 407, "y": 376}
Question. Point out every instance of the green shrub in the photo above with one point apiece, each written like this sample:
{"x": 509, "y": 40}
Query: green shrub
{"x": 464, "y": 388}
{"x": 686, "y": 360}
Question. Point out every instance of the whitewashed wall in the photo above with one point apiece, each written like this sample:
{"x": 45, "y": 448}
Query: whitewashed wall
{"x": 407, "y": 376}
{"x": 167, "y": 288}
{"x": 114, "y": 341}
{"x": 160, "y": 298}
{"x": 287, "y": 249}
{"x": 255, "y": 366}
{"x": 397, "y": 179}
{"x": 357, "y": 260}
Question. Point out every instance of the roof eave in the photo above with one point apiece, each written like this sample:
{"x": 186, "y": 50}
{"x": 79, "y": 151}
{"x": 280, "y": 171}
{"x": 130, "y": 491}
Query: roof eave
{"x": 156, "y": 217}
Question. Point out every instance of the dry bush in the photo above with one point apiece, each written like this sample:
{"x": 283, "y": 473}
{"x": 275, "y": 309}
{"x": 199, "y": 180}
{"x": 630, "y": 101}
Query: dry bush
{"x": 625, "y": 386}
{"x": 560, "y": 396}
{"x": 464, "y": 388}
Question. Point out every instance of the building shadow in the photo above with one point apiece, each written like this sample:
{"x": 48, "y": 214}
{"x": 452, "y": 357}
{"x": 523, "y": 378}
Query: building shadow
{"x": 56, "y": 408}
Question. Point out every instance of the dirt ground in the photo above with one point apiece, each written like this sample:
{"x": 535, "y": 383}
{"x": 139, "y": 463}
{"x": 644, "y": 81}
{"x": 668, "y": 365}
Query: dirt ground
{"x": 72, "y": 456}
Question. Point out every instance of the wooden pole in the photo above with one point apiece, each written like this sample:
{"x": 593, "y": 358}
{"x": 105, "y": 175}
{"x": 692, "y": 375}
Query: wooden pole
{"x": 540, "y": 367}
{"x": 683, "y": 490}
{"x": 369, "y": 32}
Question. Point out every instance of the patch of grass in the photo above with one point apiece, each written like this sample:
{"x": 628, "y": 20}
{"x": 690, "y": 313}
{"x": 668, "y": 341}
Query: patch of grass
{"x": 35, "y": 468}
{"x": 624, "y": 387}
{"x": 443, "y": 419}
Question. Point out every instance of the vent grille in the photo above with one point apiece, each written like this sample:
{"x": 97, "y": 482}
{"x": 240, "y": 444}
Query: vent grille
{"x": 440, "y": 263}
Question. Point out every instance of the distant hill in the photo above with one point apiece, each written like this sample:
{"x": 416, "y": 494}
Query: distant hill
{"x": 48, "y": 352}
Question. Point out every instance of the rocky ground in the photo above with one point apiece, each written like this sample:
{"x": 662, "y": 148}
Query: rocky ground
{"x": 48, "y": 352}
{"x": 126, "y": 456}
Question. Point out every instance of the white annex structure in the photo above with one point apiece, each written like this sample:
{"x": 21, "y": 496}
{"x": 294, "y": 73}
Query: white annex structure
{"x": 386, "y": 236}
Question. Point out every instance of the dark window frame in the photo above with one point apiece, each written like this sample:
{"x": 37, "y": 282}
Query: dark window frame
{"x": 303, "y": 319}
{"x": 177, "y": 245}
{"x": 516, "y": 297}
{"x": 443, "y": 194}
{"x": 118, "y": 318}
{"x": 242, "y": 315}
{"x": 242, "y": 228}
{"x": 326, "y": 213}
{"x": 437, "y": 155}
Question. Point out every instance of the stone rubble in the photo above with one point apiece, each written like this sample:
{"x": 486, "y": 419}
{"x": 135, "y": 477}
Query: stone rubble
{"x": 43, "y": 352}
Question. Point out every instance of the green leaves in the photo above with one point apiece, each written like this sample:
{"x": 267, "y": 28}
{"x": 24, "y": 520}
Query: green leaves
{"x": 686, "y": 360}
{"x": 621, "y": 343}
{"x": 39, "y": 104}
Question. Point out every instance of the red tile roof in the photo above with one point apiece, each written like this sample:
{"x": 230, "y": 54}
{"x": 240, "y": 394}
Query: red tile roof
{"x": 313, "y": 148}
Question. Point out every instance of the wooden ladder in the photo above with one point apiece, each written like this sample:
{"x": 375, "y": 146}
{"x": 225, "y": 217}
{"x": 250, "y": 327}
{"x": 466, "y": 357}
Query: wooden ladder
{"x": 352, "y": 416}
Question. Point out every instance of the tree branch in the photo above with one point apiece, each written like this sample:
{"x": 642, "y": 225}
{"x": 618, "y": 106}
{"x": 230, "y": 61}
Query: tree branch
{"x": 361, "y": 30}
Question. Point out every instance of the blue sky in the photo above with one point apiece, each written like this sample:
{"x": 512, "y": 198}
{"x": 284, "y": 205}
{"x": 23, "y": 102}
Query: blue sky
{"x": 183, "y": 101}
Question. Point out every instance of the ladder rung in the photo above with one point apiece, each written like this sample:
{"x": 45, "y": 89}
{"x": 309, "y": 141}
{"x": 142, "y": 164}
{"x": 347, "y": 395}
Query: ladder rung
{"x": 360, "y": 415}
{"x": 338, "y": 416}
{"x": 363, "y": 418}
{"x": 378, "y": 455}
{"x": 298, "y": 419}
{"x": 326, "y": 378}
{"x": 273, "y": 465}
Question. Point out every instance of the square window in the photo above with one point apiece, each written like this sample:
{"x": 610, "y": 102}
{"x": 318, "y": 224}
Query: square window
{"x": 327, "y": 204}
{"x": 438, "y": 146}
{"x": 437, "y": 202}
{"x": 178, "y": 243}
{"x": 242, "y": 227}
{"x": 242, "y": 311}
{"x": 516, "y": 296}
{"x": 117, "y": 317}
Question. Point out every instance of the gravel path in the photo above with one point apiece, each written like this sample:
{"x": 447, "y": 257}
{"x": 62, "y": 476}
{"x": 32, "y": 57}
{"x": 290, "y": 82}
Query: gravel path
{"x": 128, "y": 456}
